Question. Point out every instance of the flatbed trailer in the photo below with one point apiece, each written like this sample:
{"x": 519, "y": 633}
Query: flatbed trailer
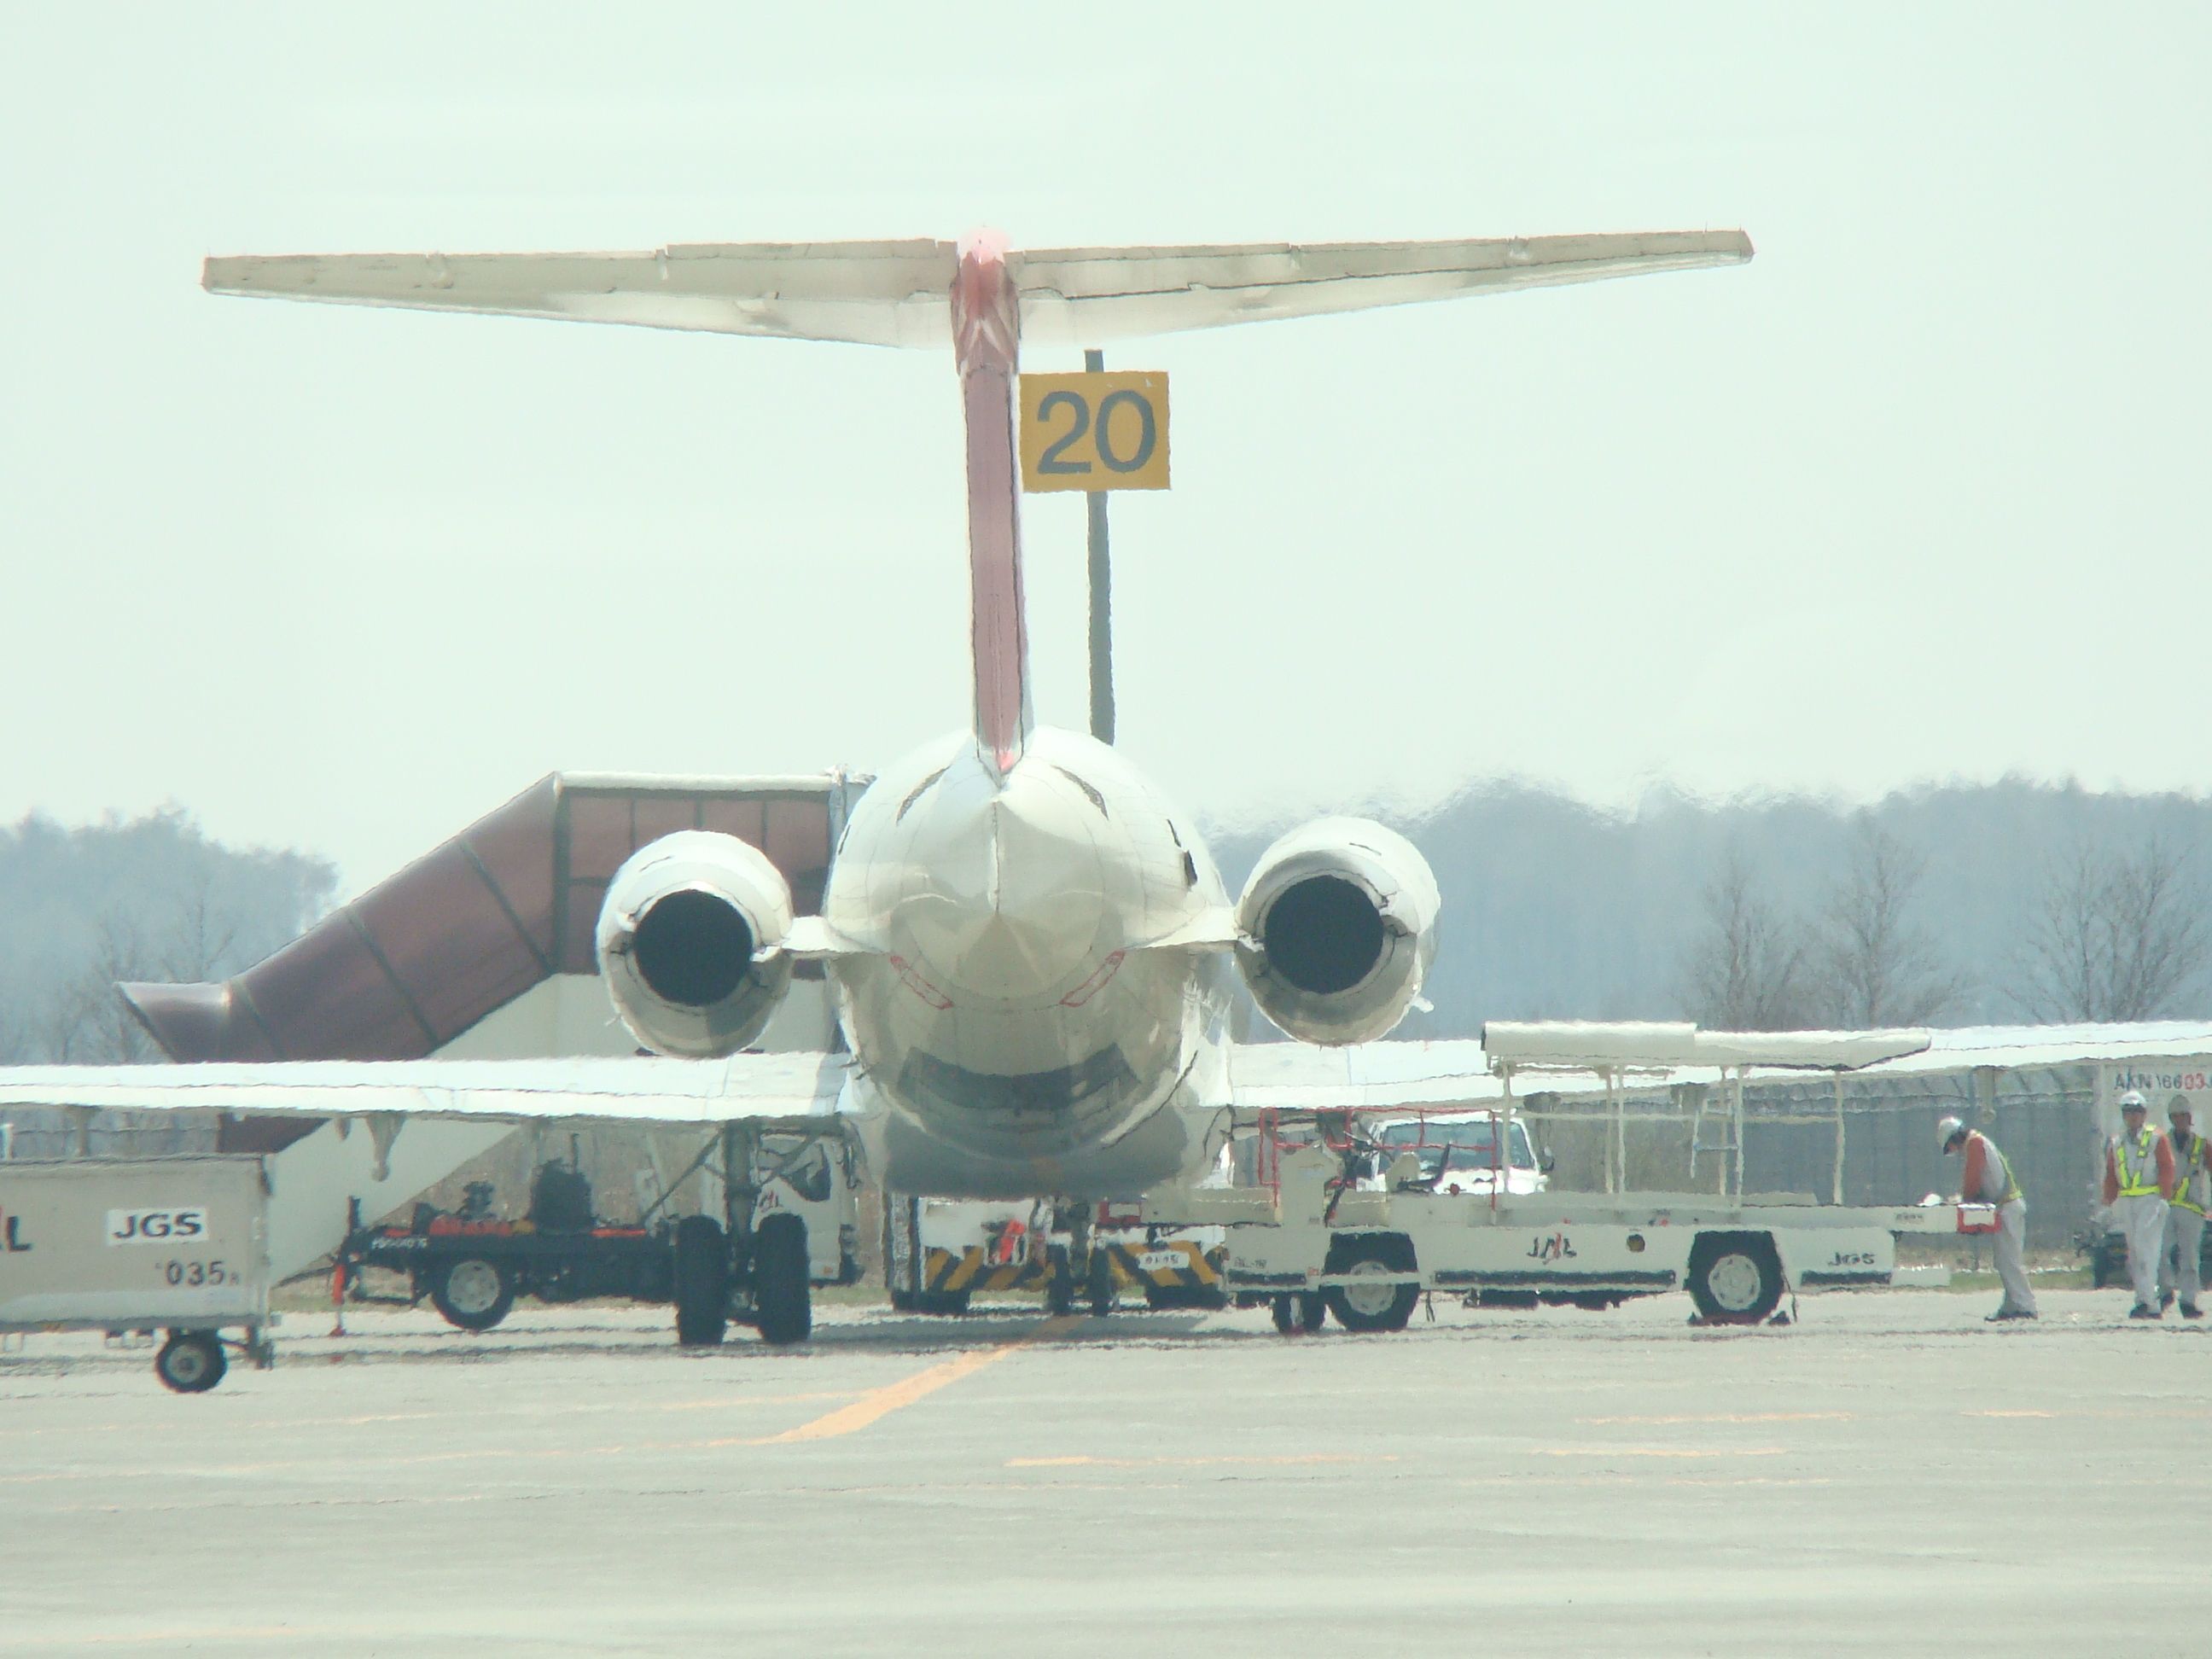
{"x": 132, "y": 1246}
{"x": 1309, "y": 1245}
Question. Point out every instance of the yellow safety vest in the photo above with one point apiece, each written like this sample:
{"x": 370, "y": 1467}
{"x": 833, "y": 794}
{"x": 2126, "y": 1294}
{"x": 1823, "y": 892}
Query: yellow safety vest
{"x": 2187, "y": 1166}
{"x": 2143, "y": 1167}
{"x": 2004, "y": 1164}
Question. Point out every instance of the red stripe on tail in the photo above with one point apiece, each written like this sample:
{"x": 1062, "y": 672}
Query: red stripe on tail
{"x": 986, "y": 335}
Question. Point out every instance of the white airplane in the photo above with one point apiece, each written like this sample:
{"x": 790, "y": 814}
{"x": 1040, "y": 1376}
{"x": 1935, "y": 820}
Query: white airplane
{"x": 1029, "y": 948}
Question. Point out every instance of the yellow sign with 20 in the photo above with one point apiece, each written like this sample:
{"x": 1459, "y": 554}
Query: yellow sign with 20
{"x": 1094, "y": 432}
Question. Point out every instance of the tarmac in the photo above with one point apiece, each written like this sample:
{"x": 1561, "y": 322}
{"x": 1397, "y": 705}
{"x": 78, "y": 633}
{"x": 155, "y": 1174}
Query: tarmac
{"x": 1886, "y": 1475}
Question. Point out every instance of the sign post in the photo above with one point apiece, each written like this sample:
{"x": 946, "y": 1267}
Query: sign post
{"x": 1096, "y": 432}
{"x": 1101, "y": 600}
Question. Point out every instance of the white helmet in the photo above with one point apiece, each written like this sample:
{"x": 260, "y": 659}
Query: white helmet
{"x": 2133, "y": 1102}
{"x": 1948, "y": 1132}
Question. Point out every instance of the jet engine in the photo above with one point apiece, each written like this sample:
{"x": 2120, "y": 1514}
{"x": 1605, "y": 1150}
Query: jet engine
{"x": 692, "y": 941}
{"x": 1335, "y": 929}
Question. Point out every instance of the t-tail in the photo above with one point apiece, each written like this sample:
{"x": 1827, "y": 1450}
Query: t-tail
{"x": 980, "y": 297}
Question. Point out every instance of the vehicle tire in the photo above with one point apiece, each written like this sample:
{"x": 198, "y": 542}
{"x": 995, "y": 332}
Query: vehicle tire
{"x": 783, "y": 1297}
{"x": 1736, "y": 1279}
{"x": 1099, "y": 1287}
{"x": 190, "y": 1361}
{"x": 702, "y": 1281}
{"x": 472, "y": 1293}
{"x": 1378, "y": 1307}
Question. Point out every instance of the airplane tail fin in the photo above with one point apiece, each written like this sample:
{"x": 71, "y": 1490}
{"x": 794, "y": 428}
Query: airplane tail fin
{"x": 980, "y": 297}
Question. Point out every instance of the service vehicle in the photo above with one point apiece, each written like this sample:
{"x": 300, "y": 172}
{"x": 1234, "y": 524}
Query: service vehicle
{"x": 1458, "y": 1152}
{"x": 473, "y": 1264}
{"x": 136, "y": 1246}
{"x": 1313, "y": 1245}
{"x": 799, "y": 1192}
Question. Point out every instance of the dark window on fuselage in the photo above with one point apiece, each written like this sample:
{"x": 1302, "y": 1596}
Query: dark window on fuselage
{"x": 917, "y": 791}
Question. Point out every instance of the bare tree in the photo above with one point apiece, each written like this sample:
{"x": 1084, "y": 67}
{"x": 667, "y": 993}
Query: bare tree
{"x": 105, "y": 1029}
{"x": 203, "y": 933}
{"x": 1875, "y": 967}
{"x": 1748, "y": 972}
{"x": 148, "y": 899}
{"x": 2113, "y": 936}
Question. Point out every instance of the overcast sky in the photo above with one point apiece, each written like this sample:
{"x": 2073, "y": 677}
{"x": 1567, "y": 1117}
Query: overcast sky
{"x": 1920, "y": 493}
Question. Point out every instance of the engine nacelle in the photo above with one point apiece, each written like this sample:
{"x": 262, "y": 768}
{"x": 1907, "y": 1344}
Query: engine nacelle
{"x": 1336, "y": 929}
{"x": 692, "y": 941}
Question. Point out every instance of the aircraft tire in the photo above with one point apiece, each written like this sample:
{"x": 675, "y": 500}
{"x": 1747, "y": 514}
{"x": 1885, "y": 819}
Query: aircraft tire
{"x": 702, "y": 1285}
{"x": 1099, "y": 1288}
{"x": 473, "y": 1294}
{"x": 781, "y": 1293}
{"x": 190, "y": 1361}
{"x": 1060, "y": 1288}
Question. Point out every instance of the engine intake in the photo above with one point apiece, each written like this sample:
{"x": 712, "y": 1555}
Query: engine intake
{"x": 1336, "y": 929}
{"x": 692, "y": 941}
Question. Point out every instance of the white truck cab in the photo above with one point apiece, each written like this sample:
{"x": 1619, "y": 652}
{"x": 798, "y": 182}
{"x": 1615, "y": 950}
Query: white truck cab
{"x": 1460, "y": 1152}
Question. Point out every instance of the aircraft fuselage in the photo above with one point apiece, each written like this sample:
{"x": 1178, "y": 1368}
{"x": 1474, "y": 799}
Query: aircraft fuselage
{"x": 1008, "y": 1006}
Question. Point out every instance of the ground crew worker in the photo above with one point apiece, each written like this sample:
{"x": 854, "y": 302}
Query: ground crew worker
{"x": 2185, "y": 1216}
{"x": 2138, "y": 1181}
{"x": 1986, "y": 1178}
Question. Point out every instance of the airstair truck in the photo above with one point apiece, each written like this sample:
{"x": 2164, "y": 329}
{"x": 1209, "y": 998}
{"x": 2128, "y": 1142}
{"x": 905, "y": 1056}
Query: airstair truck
{"x": 131, "y": 1246}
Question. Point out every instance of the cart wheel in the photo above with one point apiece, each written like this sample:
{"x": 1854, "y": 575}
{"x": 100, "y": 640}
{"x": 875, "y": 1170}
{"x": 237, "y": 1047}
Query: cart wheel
{"x": 1304, "y": 1311}
{"x": 702, "y": 1282}
{"x": 1371, "y": 1307}
{"x": 1736, "y": 1279}
{"x": 781, "y": 1293}
{"x": 473, "y": 1293}
{"x": 190, "y": 1361}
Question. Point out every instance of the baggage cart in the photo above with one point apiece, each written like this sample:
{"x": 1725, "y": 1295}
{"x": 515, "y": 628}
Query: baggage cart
{"x": 178, "y": 1245}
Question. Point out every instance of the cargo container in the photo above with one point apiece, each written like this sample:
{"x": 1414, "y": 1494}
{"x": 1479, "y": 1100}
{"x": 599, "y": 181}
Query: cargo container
{"x": 178, "y": 1245}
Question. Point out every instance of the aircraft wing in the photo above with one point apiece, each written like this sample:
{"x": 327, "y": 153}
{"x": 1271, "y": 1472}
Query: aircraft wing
{"x": 899, "y": 293}
{"x": 1360, "y": 1076}
{"x": 644, "y": 1091}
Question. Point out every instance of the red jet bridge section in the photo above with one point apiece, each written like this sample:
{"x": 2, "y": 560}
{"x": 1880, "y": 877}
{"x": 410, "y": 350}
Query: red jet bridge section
{"x": 420, "y": 957}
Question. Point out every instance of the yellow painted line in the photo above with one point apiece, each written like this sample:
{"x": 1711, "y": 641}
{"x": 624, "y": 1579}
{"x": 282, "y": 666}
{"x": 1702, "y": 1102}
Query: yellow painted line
{"x": 1658, "y": 1451}
{"x": 1734, "y": 1416}
{"x": 1190, "y": 1463}
{"x": 880, "y": 1403}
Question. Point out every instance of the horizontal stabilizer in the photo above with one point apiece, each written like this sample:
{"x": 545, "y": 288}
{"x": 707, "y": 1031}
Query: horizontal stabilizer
{"x": 1083, "y": 296}
{"x": 898, "y": 293}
